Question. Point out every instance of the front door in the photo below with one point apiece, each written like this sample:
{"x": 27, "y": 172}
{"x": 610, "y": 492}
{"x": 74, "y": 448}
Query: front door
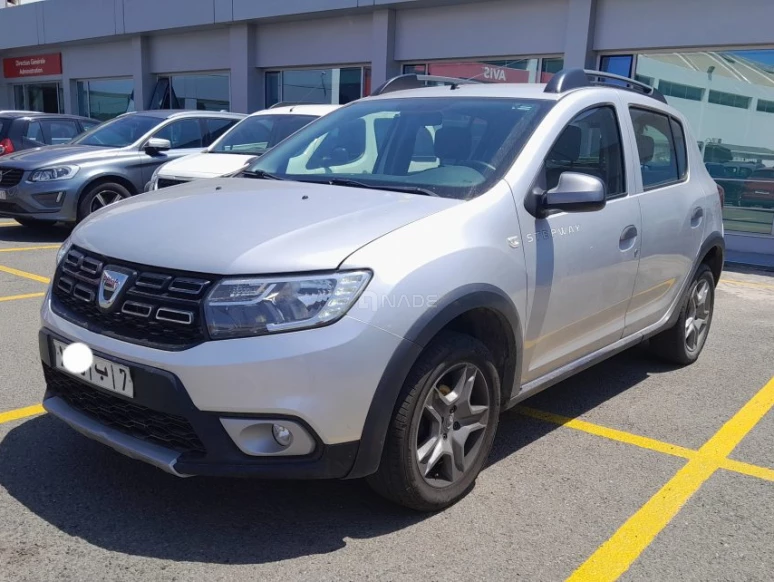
{"x": 584, "y": 263}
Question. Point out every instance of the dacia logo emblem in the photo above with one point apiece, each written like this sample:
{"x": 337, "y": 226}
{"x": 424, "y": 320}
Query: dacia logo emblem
{"x": 110, "y": 285}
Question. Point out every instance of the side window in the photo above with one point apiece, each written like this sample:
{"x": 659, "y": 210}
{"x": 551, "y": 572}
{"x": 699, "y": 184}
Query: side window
{"x": 182, "y": 134}
{"x": 60, "y": 130}
{"x": 590, "y": 144}
{"x": 87, "y": 125}
{"x": 34, "y": 133}
{"x": 214, "y": 128}
{"x": 681, "y": 153}
{"x": 656, "y": 148}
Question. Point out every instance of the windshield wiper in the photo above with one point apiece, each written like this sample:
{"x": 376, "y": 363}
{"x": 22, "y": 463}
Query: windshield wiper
{"x": 359, "y": 184}
{"x": 260, "y": 175}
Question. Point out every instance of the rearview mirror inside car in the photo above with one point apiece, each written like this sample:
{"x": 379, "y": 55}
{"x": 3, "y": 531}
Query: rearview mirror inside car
{"x": 576, "y": 192}
{"x": 155, "y": 145}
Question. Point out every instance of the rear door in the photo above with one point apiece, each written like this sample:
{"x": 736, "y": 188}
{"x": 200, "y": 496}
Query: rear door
{"x": 673, "y": 212}
{"x": 582, "y": 265}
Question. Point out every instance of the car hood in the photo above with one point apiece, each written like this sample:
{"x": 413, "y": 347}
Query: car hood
{"x": 204, "y": 165}
{"x": 236, "y": 226}
{"x": 57, "y": 154}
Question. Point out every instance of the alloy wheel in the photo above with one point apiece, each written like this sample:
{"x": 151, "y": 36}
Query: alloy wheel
{"x": 697, "y": 315}
{"x": 452, "y": 425}
{"x": 104, "y": 198}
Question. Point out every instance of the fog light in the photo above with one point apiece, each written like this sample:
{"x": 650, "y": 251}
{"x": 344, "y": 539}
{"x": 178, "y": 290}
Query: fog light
{"x": 282, "y": 435}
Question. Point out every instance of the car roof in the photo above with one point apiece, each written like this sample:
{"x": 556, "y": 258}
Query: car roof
{"x": 510, "y": 90}
{"x": 170, "y": 113}
{"x": 318, "y": 109}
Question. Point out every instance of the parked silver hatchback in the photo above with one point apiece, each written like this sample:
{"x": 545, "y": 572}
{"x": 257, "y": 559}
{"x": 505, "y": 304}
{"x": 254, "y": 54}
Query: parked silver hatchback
{"x": 368, "y": 297}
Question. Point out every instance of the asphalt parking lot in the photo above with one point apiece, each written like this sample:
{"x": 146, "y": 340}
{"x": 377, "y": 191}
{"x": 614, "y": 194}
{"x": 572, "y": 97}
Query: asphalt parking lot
{"x": 632, "y": 470}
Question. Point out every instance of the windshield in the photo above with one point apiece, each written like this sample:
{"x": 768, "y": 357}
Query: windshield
{"x": 256, "y": 134}
{"x": 455, "y": 147}
{"x": 119, "y": 132}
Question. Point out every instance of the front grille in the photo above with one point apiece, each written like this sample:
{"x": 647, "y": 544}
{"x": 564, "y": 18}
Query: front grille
{"x": 159, "y": 308}
{"x": 168, "y": 430}
{"x": 167, "y": 182}
{"x": 10, "y": 177}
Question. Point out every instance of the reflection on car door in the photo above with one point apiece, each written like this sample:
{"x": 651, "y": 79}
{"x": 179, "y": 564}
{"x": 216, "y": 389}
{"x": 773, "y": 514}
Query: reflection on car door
{"x": 585, "y": 263}
{"x": 672, "y": 215}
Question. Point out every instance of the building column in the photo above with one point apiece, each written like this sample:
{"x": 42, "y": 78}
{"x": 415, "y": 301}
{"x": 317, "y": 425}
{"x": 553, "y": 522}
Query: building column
{"x": 246, "y": 79}
{"x": 383, "y": 64}
{"x": 144, "y": 80}
{"x": 579, "y": 39}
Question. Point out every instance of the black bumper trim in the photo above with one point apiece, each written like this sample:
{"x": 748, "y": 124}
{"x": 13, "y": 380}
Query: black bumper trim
{"x": 162, "y": 391}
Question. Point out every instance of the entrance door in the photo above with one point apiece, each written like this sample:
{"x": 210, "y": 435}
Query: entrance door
{"x": 43, "y": 97}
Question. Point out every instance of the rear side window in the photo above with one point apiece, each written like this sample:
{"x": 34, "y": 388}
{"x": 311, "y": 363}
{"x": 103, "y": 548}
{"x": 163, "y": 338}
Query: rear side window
{"x": 34, "y": 133}
{"x": 60, "y": 130}
{"x": 682, "y": 154}
{"x": 659, "y": 162}
{"x": 4, "y": 123}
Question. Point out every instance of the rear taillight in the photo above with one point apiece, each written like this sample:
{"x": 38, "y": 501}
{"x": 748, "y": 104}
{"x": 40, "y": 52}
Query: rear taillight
{"x": 722, "y": 194}
{"x": 6, "y": 146}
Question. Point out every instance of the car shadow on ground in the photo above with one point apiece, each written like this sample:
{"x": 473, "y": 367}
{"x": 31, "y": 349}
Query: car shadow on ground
{"x": 86, "y": 490}
{"x": 16, "y": 233}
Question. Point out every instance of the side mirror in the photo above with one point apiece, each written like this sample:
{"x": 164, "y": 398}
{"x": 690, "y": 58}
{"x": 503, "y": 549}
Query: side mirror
{"x": 576, "y": 192}
{"x": 155, "y": 145}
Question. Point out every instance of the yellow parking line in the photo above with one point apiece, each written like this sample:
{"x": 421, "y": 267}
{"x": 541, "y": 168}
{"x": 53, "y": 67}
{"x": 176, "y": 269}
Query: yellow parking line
{"x": 25, "y": 274}
{"x": 25, "y": 296}
{"x": 747, "y": 469}
{"x": 21, "y": 413}
{"x": 609, "y": 433}
{"x": 747, "y": 284}
{"x": 37, "y": 248}
{"x": 9, "y": 224}
{"x": 617, "y": 554}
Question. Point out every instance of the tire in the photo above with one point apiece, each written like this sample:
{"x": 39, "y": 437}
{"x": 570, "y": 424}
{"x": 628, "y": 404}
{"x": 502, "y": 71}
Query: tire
{"x": 676, "y": 345}
{"x": 435, "y": 382}
{"x": 98, "y": 196}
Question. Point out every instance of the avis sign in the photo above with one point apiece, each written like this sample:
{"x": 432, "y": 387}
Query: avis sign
{"x": 494, "y": 74}
{"x": 32, "y": 66}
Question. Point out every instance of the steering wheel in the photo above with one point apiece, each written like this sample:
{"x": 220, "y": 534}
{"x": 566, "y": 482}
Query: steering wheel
{"x": 478, "y": 164}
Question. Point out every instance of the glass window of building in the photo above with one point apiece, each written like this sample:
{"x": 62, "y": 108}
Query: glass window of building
{"x": 532, "y": 70}
{"x": 335, "y": 86}
{"x": 43, "y": 97}
{"x": 727, "y": 96}
{"x": 105, "y": 99}
{"x": 208, "y": 92}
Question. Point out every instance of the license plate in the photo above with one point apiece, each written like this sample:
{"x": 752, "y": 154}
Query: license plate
{"x": 102, "y": 373}
{"x": 3, "y": 195}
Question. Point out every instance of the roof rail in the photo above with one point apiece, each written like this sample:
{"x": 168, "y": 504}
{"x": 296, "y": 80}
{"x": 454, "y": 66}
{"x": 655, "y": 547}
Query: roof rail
{"x": 415, "y": 81}
{"x": 568, "y": 79}
{"x": 293, "y": 103}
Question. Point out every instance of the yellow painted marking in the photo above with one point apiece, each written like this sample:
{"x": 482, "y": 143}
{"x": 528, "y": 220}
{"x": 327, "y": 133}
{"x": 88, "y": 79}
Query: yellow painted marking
{"x": 25, "y": 274}
{"x": 609, "y": 433}
{"x": 9, "y": 224}
{"x": 747, "y": 283}
{"x": 616, "y": 555}
{"x": 37, "y": 248}
{"x": 21, "y": 413}
{"x": 747, "y": 469}
{"x": 25, "y": 296}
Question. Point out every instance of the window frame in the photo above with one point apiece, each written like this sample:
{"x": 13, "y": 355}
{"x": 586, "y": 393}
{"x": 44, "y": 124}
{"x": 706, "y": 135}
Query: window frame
{"x": 279, "y": 72}
{"x": 670, "y": 119}
{"x": 625, "y": 177}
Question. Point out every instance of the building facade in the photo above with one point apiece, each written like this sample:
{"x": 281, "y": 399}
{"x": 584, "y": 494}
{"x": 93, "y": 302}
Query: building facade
{"x": 713, "y": 60}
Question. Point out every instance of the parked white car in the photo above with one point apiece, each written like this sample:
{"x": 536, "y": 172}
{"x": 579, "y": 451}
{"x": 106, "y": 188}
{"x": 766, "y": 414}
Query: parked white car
{"x": 246, "y": 140}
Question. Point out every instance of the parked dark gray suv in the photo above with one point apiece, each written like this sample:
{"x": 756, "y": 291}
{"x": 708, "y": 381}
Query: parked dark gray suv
{"x": 23, "y": 130}
{"x": 66, "y": 183}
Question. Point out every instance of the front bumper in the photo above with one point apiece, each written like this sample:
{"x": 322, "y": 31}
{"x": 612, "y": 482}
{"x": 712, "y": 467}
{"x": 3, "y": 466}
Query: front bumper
{"x": 54, "y": 201}
{"x": 322, "y": 379}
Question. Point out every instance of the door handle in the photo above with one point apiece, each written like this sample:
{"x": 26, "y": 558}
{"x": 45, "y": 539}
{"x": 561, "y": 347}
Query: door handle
{"x": 698, "y": 214}
{"x": 628, "y": 238}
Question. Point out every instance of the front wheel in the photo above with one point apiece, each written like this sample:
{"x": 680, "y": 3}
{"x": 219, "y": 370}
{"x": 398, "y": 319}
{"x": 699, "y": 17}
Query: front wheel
{"x": 100, "y": 195}
{"x": 443, "y": 425}
{"x": 682, "y": 343}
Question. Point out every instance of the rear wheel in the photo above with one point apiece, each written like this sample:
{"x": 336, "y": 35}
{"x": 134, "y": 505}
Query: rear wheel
{"x": 443, "y": 426}
{"x": 100, "y": 195}
{"x": 682, "y": 343}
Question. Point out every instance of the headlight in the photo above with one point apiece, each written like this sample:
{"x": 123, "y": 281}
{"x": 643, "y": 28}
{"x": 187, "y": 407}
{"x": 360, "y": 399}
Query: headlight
{"x": 63, "y": 250}
{"x": 56, "y": 173}
{"x": 249, "y": 307}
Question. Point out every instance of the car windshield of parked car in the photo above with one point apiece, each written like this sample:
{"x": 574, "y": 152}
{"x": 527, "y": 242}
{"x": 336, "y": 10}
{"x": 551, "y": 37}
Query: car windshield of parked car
{"x": 256, "y": 134}
{"x": 119, "y": 132}
{"x": 454, "y": 147}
